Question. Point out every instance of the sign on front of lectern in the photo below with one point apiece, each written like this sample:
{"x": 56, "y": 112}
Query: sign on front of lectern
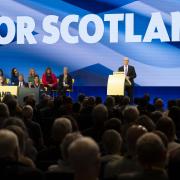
{"x": 116, "y": 84}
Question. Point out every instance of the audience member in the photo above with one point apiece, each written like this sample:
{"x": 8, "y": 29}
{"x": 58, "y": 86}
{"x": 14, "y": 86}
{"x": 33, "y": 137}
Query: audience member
{"x": 33, "y": 128}
{"x": 159, "y": 105}
{"x": 174, "y": 113}
{"x": 129, "y": 162}
{"x": 10, "y": 167}
{"x": 4, "y": 113}
{"x": 112, "y": 144}
{"x": 147, "y": 122}
{"x": 167, "y": 126}
{"x": 174, "y": 165}
{"x": 30, "y": 150}
{"x": 63, "y": 165}
{"x": 99, "y": 116}
{"x": 84, "y": 158}
{"x": 151, "y": 154}
{"x": 61, "y": 127}
{"x": 114, "y": 124}
{"x": 156, "y": 115}
{"x": 22, "y": 145}
{"x": 130, "y": 116}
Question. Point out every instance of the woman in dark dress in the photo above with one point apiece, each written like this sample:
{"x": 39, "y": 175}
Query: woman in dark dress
{"x": 14, "y": 77}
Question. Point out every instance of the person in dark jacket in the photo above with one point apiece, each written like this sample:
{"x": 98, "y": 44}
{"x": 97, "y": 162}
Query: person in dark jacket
{"x": 10, "y": 167}
{"x": 14, "y": 77}
{"x": 130, "y": 74}
{"x": 65, "y": 82}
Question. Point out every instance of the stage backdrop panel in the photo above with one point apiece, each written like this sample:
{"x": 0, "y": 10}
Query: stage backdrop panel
{"x": 157, "y": 63}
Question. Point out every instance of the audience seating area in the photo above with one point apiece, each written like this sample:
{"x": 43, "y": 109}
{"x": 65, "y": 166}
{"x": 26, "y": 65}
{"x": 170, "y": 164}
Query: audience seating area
{"x": 88, "y": 139}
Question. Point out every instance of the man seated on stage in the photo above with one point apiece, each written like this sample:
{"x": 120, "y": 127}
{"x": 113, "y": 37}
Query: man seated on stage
{"x": 49, "y": 79}
{"x": 130, "y": 73}
{"x": 21, "y": 82}
{"x": 65, "y": 81}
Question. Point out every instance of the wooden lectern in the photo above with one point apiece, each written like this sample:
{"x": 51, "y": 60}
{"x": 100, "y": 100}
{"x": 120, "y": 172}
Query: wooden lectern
{"x": 116, "y": 84}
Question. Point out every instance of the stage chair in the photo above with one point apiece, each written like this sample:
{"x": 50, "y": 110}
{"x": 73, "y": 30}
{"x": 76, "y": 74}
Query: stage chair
{"x": 8, "y": 81}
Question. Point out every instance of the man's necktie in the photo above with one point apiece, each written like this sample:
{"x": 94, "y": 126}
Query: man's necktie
{"x": 126, "y": 70}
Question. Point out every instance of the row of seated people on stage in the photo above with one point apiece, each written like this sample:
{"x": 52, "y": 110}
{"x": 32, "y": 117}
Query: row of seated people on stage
{"x": 49, "y": 80}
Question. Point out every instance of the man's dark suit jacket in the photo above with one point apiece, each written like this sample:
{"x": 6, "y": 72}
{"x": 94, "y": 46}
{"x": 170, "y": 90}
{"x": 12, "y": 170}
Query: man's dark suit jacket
{"x": 25, "y": 84}
{"x": 69, "y": 81}
{"x": 131, "y": 72}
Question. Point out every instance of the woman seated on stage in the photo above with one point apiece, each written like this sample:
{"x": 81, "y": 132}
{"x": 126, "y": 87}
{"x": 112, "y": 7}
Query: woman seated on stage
{"x": 2, "y": 81}
{"x": 65, "y": 81}
{"x": 49, "y": 79}
{"x": 32, "y": 74}
{"x": 36, "y": 83}
{"x": 14, "y": 77}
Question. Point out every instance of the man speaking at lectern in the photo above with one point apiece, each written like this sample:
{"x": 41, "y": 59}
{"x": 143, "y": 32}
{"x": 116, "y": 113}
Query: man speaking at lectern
{"x": 130, "y": 73}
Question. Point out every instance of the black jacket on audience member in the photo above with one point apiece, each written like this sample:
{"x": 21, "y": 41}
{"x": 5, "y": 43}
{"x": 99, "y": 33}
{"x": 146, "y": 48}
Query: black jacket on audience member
{"x": 10, "y": 169}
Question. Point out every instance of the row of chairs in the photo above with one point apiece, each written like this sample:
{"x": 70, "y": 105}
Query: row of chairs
{"x": 54, "y": 93}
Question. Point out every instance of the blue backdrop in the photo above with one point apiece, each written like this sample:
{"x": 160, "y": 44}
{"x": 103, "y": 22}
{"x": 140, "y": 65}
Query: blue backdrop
{"x": 157, "y": 64}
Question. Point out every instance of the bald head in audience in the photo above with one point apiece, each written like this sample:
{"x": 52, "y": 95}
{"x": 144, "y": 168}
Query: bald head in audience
{"x": 84, "y": 157}
{"x": 9, "y": 147}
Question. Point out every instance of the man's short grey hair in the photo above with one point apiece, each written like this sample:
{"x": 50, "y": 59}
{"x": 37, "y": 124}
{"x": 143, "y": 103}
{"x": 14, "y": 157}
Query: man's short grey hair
{"x": 112, "y": 141}
{"x": 71, "y": 137}
{"x": 21, "y": 75}
{"x": 100, "y": 114}
{"x": 61, "y": 127}
{"x": 27, "y": 111}
{"x": 150, "y": 149}
{"x": 84, "y": 154}
{"x": 65, "y": 68}
{"x": 4, "y": 111}
{"x": 126, "y": 59}
{"x": 9, "y": 146}
{"x": 130, "y": 114}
